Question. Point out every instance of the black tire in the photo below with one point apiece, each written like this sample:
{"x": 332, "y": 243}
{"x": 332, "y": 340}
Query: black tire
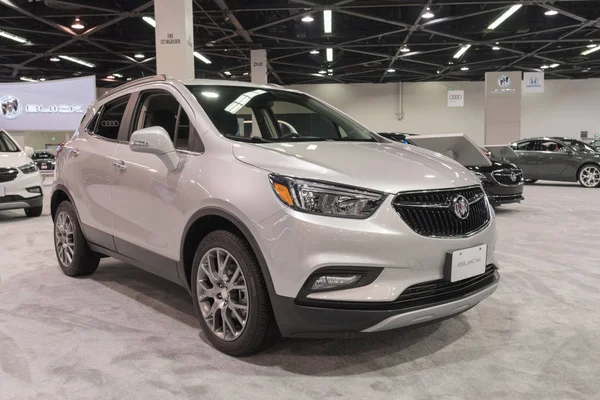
{"x": 260, "y": 330}
{"x": 580, "y": 173}
{"x": 530, "y": 181}
{"x": 33, "y": 211}
{"x": 84, "y": 261}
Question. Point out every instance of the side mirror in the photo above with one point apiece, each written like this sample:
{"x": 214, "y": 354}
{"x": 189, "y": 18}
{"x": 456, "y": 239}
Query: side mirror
{"x": 155, "y": 140}
{"x": 29, "y": 151}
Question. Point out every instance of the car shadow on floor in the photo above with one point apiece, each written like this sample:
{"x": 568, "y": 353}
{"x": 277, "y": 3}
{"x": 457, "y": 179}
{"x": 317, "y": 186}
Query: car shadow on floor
{"x": 311, "y": 357}
{"x": 556, "y": 184}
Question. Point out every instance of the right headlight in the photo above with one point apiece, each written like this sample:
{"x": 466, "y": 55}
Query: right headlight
{"x": 28, "y": 168}
{"x": 323, "y": 198}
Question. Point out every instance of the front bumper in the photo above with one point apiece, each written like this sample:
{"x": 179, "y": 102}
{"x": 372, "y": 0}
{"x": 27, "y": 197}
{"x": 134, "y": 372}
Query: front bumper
{"x": 498, "y": 194}
{"x": 16, "y": 194}
{"x": 312, "y": 321}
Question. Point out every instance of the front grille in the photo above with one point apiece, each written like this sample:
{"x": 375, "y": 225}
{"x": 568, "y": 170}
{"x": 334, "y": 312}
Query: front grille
{"x": 431, "y": 213}
{"x": 10, "y": 199}
{"x": 8, "y": 174}
{"x": 505, "y": 177}
{"x": 437, "y": 291}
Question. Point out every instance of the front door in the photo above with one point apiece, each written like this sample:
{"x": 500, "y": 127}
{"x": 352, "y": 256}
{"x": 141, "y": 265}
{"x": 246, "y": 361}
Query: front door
{"x": 555, "y": 159}
{"x": 147, "y": 206}
{"x": 90, "y": 168}
{"x": 528, "y": 157}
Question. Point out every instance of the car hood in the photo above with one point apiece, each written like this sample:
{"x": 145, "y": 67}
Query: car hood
{"x": 8, "y": 160}
{"x": 497, "y": 163}
{"x": 384, "y": 167}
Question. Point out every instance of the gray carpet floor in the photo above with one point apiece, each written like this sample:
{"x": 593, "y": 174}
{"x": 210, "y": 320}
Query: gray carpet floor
{"x": 125, "y": 334}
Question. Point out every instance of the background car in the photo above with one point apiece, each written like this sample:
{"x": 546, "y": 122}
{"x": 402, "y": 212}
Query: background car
{"x": 502, "y": 181}
{"x": 595, "y": 144}
{"x": 45, "y": 160}
{"x": 20, "y": 180}
{"x": 557, "y": 159}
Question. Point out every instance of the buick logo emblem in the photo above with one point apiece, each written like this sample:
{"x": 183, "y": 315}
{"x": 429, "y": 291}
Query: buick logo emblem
{"x": 504, "y": 81}
{"x": 460, "y": 206}
{"x": 513, "y": 177}
{"x": 11, "y": 107}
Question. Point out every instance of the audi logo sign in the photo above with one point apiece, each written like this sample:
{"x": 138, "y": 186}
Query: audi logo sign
{"x": 109, "y": 123}
{"x": 456, "y": 98}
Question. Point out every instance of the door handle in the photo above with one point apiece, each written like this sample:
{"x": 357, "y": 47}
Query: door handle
{"x": 75, "y": 152}
{"x": 120, "y": 165}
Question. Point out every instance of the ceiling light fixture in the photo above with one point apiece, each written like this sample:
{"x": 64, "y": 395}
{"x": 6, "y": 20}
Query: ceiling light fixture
{"x": 404, "y": 49}
{"x": 412, "y": 53}
{"x": 55, "y": 59}
{"x": 139, "y": 55}
{"x": 23, "y": 78}
{"x": 78, "y": 61}
{"x": 496, "y": 48}
{"x": 110, "y": 77}
{"x": 314, "y": 51}
{"x": 13, "y": 37}
{"x": 227, "y": 73}
{"x": 77, "y": 24}
{"x": 545, "y": 67}
{"x": 118, "y": 75}
{"x": 464, "y": 68}
{"x": 329, "y": 53}
{"x": 590, "y": 51}
{"x": 551, "y": 12}
{"x": 391, "y": 70}
{"x": 246, "y": 74}
{"x": 150, "y": 21}
{"x": 461, "y": 51}
{"x": 42, "y": 79}
{"x": 504, "y": 16}
{"x": 128, "y": 79}
{"x": 307, "y": 19}
{"x": 585, "y": 70}
{"x": 327, "y": 23}
{"x": 202, "y": 58}
{"x": 322, "y": 71}
{"x": 329, "y": 70}
{"x": 591, "y": 45}
{"x": 428, "y": 14}
{"x": 554, "y": 65}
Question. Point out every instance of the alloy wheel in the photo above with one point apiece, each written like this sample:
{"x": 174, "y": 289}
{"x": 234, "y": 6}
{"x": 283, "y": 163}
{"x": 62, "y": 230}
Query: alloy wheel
{"x": 64, "y": 238}
{"x": 222, "y": 294}
{"x": 590, "y": 176}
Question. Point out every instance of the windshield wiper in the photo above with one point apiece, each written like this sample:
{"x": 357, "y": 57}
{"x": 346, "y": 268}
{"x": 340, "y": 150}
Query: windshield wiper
{"x": 251, "y": 139}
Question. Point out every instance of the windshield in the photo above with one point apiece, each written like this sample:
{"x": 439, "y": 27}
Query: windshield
{"x": 6, "y": 144}
{"x": 578, "y": 145}
{"x": 266, "y": 115}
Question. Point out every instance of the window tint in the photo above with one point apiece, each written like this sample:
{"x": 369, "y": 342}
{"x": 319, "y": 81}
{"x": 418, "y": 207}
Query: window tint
{"x": 7, "y": 145}
{"x": 158, "y": 108}
{"x": 111, "y": 117}
{"x": 550, "y": 145}
{"x": 528, "y": 145}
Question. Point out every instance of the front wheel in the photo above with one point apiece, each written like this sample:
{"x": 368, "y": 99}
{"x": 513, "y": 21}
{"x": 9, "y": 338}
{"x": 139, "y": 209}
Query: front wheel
{"x": 589, "y": 175}
{"x": 75, "y": 258}
{"x": 230, "y": 295}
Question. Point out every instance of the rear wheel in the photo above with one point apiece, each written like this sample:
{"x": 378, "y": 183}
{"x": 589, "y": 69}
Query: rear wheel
{"x": 33, "y": 211}
{"x": 589, "y": 175}
{"x": 230, "y": 295}
{"x": 74, "y": 256}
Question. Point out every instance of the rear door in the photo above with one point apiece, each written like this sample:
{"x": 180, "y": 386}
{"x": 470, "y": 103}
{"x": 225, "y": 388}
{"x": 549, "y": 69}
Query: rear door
{"x": 89, "y": 171}
{"x": 528, "y": 157}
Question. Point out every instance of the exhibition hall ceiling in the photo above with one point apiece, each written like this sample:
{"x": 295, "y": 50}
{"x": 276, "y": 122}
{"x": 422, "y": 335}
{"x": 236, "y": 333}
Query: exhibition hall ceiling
{"x": 358, "y": 41}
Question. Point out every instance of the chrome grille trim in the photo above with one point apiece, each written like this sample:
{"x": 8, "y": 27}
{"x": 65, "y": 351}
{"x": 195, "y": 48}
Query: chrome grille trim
{"x": 502, "y": 177}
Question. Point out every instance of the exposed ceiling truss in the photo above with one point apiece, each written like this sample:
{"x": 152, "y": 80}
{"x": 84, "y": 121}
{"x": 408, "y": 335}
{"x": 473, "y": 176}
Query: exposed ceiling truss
{"x": 369, "y": 39}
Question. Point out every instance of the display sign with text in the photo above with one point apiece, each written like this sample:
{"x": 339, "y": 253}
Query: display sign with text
{"x": 46, "y": 106}
{"x": 456, "y": 98}
{"x": 533, "y": 82}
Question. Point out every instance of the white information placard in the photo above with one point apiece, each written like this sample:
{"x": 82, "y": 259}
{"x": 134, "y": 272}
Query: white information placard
{"x": 533, "y": 82}
{"x": 456, "y": 98}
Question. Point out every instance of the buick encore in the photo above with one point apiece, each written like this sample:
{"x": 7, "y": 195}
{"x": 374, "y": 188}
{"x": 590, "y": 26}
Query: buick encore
{"x": 278, "y": 213}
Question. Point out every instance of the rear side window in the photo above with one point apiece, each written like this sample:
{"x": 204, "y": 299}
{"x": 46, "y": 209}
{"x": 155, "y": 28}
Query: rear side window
{"x": 108, "y": 121}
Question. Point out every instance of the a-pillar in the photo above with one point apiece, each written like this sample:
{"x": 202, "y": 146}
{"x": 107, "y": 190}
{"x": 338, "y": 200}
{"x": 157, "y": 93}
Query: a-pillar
{"x": 502, "y": 107}
{"x": 174, "y": 38}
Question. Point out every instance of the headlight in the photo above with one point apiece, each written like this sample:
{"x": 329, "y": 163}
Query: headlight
{"x": 28, "y": 168}
{"x": 324, "y": 198}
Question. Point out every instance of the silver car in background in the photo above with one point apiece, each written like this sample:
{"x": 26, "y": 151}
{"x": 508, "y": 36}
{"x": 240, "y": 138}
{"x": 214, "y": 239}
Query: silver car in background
{"x": 304, "y": 225}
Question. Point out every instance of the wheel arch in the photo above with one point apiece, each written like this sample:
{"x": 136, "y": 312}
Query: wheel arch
{"x": 207, "y": 220}
{"x": 60, "y": 194}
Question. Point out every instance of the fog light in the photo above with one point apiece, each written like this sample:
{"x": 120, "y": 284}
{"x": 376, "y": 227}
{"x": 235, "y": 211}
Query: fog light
{"x": 35, "y": 189}
{"x": 327, "y": 282}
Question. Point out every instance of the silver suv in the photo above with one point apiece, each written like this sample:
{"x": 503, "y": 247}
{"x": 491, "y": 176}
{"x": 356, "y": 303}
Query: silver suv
{"x": 278, "y": 213}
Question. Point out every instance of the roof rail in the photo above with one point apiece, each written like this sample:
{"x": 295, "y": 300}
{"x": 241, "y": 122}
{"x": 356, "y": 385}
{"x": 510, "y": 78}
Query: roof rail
{"x": 155, "y": 78}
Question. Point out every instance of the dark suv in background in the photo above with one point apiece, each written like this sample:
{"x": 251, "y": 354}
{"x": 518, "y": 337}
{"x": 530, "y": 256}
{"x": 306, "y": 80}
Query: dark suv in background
{"x": 558, "y": 159}
{"x": 45, "y": 160}
{"x": 502, "y": 181}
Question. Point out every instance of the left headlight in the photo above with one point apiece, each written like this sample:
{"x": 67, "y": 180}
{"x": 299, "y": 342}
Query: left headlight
{"x": 28, "y": 168}
{"x": 325, "y": 198}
